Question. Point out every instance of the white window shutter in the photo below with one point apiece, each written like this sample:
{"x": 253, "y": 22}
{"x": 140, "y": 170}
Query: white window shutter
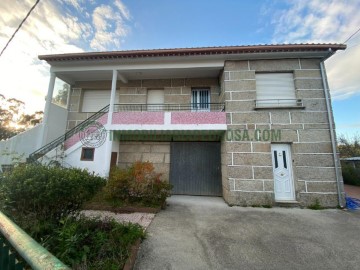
{"x": 275, "y": 89}
{"x": 155, "y": 98}
{"x": 95, "y": 100}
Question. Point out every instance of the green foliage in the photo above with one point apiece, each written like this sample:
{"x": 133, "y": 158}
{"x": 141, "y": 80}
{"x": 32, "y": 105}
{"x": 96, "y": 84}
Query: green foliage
{"x": 47, "y": 193}
{"x": 45, "y": 201}
{"x": 138, "y": 183}
{"x": 316, "y": 205}
{"x": 351, "y": 175}
{"x": 91, "y": 243}
{"x": 349, "y": 147}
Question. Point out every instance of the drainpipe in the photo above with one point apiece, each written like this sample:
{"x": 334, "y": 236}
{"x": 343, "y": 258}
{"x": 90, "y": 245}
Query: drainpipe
{"x": 332, "y": 130}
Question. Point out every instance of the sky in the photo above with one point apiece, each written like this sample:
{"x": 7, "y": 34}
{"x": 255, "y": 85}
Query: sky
{"x": 68, "y": 26}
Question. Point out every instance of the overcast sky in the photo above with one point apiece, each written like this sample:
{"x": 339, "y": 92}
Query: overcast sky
{"x": 64, "y": 26}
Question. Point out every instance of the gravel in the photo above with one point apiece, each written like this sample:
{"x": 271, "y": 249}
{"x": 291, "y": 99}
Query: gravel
{"x": 143, "y": 219}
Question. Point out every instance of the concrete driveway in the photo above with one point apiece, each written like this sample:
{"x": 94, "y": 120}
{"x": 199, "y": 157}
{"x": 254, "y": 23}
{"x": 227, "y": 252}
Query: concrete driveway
{"x": 205, "y": 233}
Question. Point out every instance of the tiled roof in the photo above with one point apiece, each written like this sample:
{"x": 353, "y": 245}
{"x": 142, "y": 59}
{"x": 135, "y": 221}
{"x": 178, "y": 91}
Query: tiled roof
{"x": 194, "y": 51}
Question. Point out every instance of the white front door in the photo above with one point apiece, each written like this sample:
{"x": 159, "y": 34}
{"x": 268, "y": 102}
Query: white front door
{"x": 282, "y": 167}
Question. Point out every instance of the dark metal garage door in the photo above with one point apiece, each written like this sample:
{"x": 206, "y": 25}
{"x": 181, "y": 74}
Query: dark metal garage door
{"x": 195, "y": 168}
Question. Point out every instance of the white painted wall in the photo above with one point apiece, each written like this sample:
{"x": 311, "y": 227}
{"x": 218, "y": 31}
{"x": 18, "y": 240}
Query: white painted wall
{"x": 57, "y": 122}
{"x": 73, "y": 158}
{"x": 29, "y": 141}
{"x": 22, "y": 144}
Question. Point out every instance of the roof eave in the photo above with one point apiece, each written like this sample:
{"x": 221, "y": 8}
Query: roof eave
{"x": 229, "y": 50}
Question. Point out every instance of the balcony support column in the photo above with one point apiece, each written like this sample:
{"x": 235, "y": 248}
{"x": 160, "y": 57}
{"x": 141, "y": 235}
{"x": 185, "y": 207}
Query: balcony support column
{"x": 47, "y": 108}
{"x": 109, "y": 123}
{"x": 112, "y": 96}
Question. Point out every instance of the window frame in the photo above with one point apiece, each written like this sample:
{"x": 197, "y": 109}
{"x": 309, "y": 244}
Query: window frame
{"x": 195, "y": 105}
{"x": 83, "y": 158}
{"x": 278, "y": 103}
{"x": 159, "y": 105}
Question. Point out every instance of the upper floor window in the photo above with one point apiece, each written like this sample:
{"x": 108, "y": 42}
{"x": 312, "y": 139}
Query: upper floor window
{"x": 61, "y": 93}
{"x": 155, "y": 100}
{"x": 95, "y": 100}
{"x": 200, "y": 99}
{"x": 275, "y": 90}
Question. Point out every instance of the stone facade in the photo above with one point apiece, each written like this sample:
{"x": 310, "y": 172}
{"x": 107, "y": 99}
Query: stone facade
{"x": 247, "y": 165}
{"x": 158, "y": 153}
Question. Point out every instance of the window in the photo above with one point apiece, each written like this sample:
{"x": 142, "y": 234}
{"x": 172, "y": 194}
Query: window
{"x": 87, "y": 154}
{"x": 95, "y": 100}
{"x": 155, "y": 100}
{"x": 61, "y": 92}
{"x": 200, "y": 100}
{"x": 275, "y": 90}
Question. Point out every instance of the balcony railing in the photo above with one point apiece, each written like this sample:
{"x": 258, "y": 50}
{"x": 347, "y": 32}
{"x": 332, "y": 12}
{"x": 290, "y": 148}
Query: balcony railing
{"x": 278, "y": 103}
{"x": 194, "y": 107}
{"x": 15, "y": 243}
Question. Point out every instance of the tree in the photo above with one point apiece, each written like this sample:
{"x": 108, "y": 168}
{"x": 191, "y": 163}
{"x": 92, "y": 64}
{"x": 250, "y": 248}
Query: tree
{"x": 349, "y": 147}
{"x": 13, "y": 118}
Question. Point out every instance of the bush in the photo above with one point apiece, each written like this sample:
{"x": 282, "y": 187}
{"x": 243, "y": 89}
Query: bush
{"x": 84, "y": 243}
{"x": 138, "y": 183}
{"x": 45, "y": 202}
{"x": 47, "y": 193}
{"x": 351, "y": 175}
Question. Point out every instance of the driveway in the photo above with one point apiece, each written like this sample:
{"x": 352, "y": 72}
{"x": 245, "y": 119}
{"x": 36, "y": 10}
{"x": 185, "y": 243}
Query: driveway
{"x": 205, "y": 233}
{"x": 352, "y": 191}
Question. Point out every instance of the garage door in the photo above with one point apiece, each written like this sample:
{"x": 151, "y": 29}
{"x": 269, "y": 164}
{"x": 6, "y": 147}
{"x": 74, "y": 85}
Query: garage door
{"x": 195, "y": 168}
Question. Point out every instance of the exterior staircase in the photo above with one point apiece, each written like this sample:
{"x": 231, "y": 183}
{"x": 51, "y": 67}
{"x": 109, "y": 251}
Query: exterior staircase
{"x": 41, "y": 152}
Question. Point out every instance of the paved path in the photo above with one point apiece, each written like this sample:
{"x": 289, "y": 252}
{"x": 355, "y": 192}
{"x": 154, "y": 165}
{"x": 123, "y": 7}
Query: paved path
{"x": 143, "y": 219}
{"x": 352, "y": 191}
{"x": 204, "y": 233}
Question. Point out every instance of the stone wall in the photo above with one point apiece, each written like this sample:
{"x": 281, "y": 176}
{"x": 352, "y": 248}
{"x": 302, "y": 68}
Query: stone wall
{"x": 156, "y": 152}
{"x": 247, "y": 165}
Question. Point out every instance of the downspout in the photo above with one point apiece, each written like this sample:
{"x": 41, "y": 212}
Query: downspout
{"x": 332, "y": 130}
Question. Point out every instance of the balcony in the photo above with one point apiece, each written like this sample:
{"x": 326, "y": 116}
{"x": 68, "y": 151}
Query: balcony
{"x": 169, "y": 116}
{"x": 165, "y": 119}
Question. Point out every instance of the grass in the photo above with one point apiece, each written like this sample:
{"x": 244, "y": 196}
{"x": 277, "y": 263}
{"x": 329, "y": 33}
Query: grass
{"x": 316, "y": 205}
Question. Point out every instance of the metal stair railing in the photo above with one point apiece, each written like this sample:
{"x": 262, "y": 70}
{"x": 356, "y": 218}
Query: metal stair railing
{"x": 33, "y": 157}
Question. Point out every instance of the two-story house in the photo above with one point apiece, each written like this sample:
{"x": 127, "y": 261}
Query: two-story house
{"x": 253, "y": 124}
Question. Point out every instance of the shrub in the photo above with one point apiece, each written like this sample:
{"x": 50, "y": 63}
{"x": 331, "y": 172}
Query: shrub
{"x": 138, "y": 183}
{"x": 47, "y": 193}
{"x": 45, "y": 202}
{"x": 84, "y": 243}
{"x": 351, "y": 175}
